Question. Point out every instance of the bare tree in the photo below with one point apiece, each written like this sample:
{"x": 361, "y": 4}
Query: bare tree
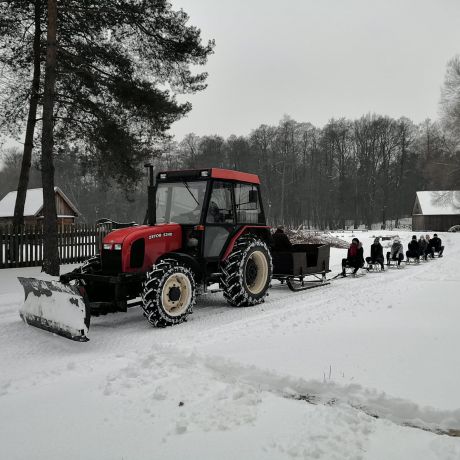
{"x": 450, "y": 98}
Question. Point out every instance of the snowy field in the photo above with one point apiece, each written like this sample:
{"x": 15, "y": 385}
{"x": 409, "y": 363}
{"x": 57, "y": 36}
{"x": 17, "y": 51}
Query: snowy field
{"x": 365, "y": 368}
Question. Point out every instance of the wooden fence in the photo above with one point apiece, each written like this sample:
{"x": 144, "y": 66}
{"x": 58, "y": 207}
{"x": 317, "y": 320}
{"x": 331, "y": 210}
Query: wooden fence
{"x": 24, "y": 248}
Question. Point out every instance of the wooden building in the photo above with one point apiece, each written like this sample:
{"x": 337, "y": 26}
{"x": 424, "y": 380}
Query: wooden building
{"x": 33, "y": 209}
{"x": 436, "y": 211}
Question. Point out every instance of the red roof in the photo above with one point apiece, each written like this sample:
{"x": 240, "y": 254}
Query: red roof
{"x": 229, "y": 174}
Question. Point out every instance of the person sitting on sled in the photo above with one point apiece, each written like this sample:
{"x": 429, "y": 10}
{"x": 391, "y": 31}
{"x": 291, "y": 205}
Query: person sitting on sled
{"x": 429, "y": 251}
{"x": 422, "y": 246}
{"x": 436, "y": 245}
{"x": 376, "y": 254}
{"x": 413, "y": 249}
{"x": 355, "y": 257}
{"x": 396, "y": 252}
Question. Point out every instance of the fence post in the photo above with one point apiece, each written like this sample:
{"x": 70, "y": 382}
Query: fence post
{"x": 25, "y": 249}
{"x": 16, "y": 232}
{"x": 77, "y": 243}
{"x": 73, "y": 252}
{"x": 40, "y": 247}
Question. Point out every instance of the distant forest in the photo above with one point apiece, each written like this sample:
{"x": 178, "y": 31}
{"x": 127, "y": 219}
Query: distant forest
{"x": 364, "y": 170}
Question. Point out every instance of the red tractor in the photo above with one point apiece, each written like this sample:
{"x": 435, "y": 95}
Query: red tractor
{"x": 204, "y": 227}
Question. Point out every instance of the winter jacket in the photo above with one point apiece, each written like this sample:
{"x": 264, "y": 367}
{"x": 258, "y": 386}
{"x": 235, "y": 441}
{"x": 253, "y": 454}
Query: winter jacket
{"x": 422, "y": 244}
{"x": 355, "y": 256}
{"x": 352, "y": 251}
{"x": 396, "y": 249}
{"x": 435, "y": 243}
{"x": 414, "y": 248}
{"x": 376, "y": 251}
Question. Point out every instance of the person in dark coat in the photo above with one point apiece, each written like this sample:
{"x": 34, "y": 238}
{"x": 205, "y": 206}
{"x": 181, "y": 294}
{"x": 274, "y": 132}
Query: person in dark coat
{"x": 413, "y": 249}
{"x": 355, "y": 257}
{"x": 422, "y": 246}
{"x": 436, "y": 245}
{"x": 280, "y": 240}
{"x": 376, "y": 254}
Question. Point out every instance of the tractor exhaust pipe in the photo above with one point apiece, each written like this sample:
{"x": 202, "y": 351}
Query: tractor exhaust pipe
{"x": 151, "y": 211}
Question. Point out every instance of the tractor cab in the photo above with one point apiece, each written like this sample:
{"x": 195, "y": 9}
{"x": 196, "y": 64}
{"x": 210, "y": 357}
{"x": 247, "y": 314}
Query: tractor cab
{"x": 211, "y": 205}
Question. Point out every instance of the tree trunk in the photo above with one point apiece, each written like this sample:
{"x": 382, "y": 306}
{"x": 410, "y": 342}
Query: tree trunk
{"x": 283, "y": 188}
{"x": 50, "y": 240}
{"x": 23, "y": 184}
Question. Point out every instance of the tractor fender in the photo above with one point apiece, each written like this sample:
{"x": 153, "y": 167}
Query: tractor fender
{"x": 262, "y": 231}
{"x": 187, "y": 260}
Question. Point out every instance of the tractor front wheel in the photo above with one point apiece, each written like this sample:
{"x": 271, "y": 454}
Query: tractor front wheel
{"x": 247, "y": 272}
{"x": 169, "y": 293}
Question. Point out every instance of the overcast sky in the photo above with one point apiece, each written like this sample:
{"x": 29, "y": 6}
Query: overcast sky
{"x": 318, "y": 59}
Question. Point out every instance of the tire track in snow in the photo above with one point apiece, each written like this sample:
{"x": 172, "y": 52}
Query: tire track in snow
{"x": 371, "y": 402}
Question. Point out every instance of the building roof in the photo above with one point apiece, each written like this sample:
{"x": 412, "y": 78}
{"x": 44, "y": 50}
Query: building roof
{"x": 438, "y": 203}
{"x": 33, "y": 204}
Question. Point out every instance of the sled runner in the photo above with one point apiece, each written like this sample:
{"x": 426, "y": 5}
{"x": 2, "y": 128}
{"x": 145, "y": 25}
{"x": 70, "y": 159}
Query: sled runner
{"x": 412, "y": 260}
{"x": 373, "y": 267}
{"x": 393, "y": 263}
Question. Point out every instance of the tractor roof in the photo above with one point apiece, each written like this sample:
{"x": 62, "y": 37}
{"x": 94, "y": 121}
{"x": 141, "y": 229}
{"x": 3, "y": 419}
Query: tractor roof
{"x": 216, "y": 173}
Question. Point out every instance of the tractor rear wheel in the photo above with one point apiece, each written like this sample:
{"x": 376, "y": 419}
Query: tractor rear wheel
{"x": 247, "y": 272}
{"x": 169, "y": 293}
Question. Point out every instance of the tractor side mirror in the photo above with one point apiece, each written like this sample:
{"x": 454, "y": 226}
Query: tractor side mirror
{"x": 252, "y": 198}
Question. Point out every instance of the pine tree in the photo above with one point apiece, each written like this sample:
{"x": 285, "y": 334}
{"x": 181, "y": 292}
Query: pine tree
{"x": 119, "y": 65}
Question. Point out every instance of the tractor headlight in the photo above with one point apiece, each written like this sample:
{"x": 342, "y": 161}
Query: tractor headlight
{"x": 108, "y": 246}
{"x": 117, "y": 247}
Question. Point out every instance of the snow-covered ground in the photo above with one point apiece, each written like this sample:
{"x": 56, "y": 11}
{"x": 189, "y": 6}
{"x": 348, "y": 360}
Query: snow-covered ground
{"x": 365, "y": 368}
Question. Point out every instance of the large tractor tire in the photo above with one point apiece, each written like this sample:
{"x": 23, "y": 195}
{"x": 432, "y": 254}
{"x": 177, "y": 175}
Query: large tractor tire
{"x": 169, "y": 293}
{"x": 247, "y": 272}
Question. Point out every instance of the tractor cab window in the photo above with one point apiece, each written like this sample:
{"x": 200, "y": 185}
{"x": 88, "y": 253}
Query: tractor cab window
{"x": 247, "y": 201}
{"x": 180, "y": 202}
{"x": 220, "y": 208}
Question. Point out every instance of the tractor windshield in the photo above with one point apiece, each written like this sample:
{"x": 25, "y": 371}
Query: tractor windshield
{"x": 180, "y": 202}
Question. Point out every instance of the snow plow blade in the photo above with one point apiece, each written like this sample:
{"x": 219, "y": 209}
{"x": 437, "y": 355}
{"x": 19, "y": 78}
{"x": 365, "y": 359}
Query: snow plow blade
{"x": 55, "y": 307}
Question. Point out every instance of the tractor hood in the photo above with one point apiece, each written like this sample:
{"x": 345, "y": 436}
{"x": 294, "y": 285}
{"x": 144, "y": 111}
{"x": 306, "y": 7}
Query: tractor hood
{"x": 141, "y": 246}
{"x": 129, "y": 234}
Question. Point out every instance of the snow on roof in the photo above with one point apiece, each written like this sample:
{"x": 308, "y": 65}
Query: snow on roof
{"x": 439, "y": 203}
{"x": 33, "y": 205}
